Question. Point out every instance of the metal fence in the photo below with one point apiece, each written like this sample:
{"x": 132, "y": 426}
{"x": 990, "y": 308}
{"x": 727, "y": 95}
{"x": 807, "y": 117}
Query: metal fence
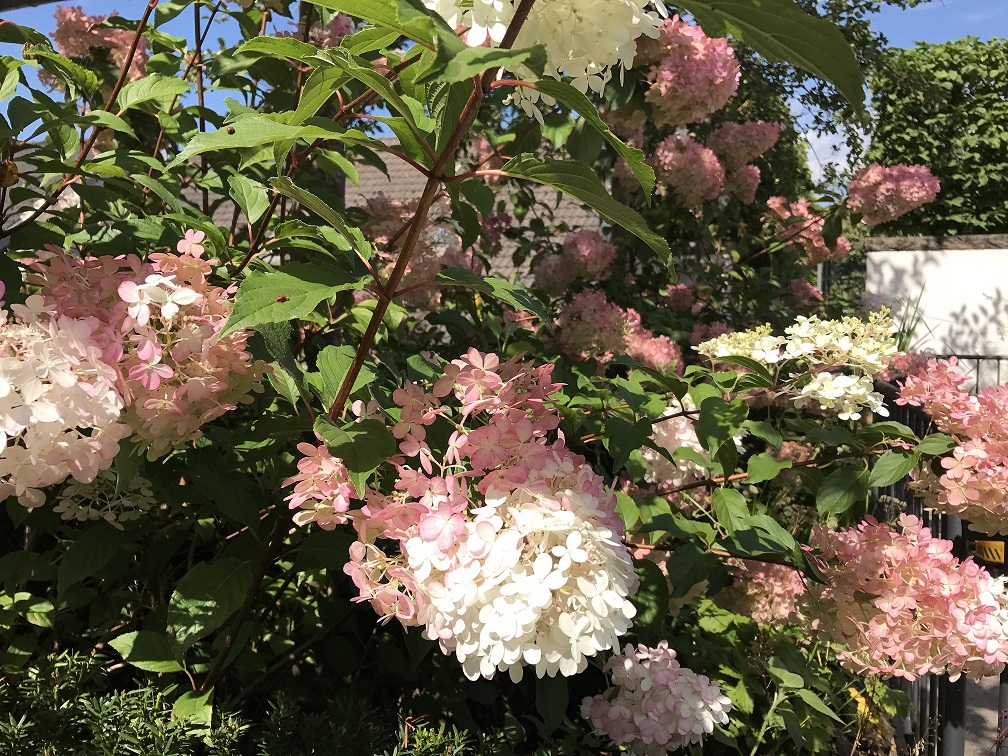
{"x": 936, "y": 725}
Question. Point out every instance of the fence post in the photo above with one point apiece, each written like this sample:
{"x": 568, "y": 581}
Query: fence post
{"x": 952, "y": 695}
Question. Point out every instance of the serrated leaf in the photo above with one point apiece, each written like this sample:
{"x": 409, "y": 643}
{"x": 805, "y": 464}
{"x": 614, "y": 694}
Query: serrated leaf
{"x": 287, "y": 293}
{"x": 152, "y": 88}
{"x": 842, "y": 489}
{"x": 354, "y": 237}
{"x": 892, "y": 466}
{"x": 362, "y": 446}
{"x": 194, "y": 707}
{"x": 88, "y": 552}
{"x": 204, "y": 599}
{"x": 623, "y": 438}
{"x": 731, "y": 508}
{"x": 517, "y": 296}
{"x": 552, "y": 697}
{"x": 250, "y": 195}
{"x": 580, "y": 182}
{"x": 764, "y": 467}
{"x": 781, "y": 31}
{"x": 62, "y": 67}
{"x": 147, "y": 651}
{"x": 575, "y": 100}
{"x": 253, "y": 131}
{"x": 475, "y": 60}
{"x": 334, "y": 363}
{"x": 937, "y": 443}
{"x": 280, "y": 47}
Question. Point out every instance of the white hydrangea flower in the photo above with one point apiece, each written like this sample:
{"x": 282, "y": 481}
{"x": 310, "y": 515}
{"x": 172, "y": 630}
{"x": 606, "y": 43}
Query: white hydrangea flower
{"x": 536, "y": 581}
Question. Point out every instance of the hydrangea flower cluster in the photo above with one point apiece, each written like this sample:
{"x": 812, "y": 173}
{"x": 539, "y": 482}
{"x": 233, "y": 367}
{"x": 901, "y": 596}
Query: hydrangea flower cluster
{"x": 322, "y": 488}
{"x": 880, "y": 194}
{"x": 690, "y": 169}
{"x": 743, "y": 183}
{"x": 78, "y": 35}
{"x": 797, "y": 225}
{"x": 765, "y": 591}
{"x": 702, "y": 332}
{"x": 691, "y": 75}
{"x": 584, "y": 254}
{"x": 974, "y": 477}
{"x": 583, "y": 38}
{"x": 672, "y": 432}
{"x": 506, "y": 548}
{"x": 822, "y": 348}
{"x": 736, "y": 144}
{"x": 655, "y": 705}
{"x": 159, "y": 327}
{"x": 901, "y": 604}
{"x": 592, "y": 326}
{"x": 679, "y": 297}
{"x": 438, "y": 247}
{"x": 802, "y": 296}
{"x": 59, "y": 405}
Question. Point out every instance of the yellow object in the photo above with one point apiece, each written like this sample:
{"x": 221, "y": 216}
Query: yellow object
{"x": 991, "y": 551}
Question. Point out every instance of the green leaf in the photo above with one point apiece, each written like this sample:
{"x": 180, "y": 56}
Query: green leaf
{"x": 153, "y": 88}
{"x": 194, "y": 707}
{"x": 280, "y": 47}
{"x": 678, "y": 526}
{"x": 252, "y": 131}
{"x": 731, "y": 508}
{"x": 688, "y": 566}
{"x": 286, "y": 294}
{"x": 624, "y": 438}
{"x": 575, "y": 100}
{"x": 764, "y": 467}
{"x": 205, "y": 598}
{"x": 88, "y": 553}
{"x": 891, "y": 467}
{"x": 147, "y": 651}
{"x": 408, "y": 17}
{"x": 62, "y": 67}
{"x": 250, "y": 195}
{"x": 783, "y": 676}
{"x": 107, "y": 120}
{"x": 328, "y": 549}
{"x": 937, "y": 443}
{"x": 815, "y": 702}
{"x": 354, "y": 237}
{"x": 842, "y": 489}
{"x": 552, "y": 697}
{"x": 652, "y": 596}
{"x": 781, "y": 31}
{"x": 716, "y": 427}
{"x": 763, "y": 538}
{"x": 334, "y": 364}
{"x": 516, "y": 296}
{"x": 475, "y": 60}
{"x": 317, "y": 91}
{"x": 362, "y": 446}
{"x": 580, "y": 182}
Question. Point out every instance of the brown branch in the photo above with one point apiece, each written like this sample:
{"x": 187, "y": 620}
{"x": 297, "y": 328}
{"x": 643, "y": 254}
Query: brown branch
{"x": 198, "y": 62}
{"x": 466, "y": 118}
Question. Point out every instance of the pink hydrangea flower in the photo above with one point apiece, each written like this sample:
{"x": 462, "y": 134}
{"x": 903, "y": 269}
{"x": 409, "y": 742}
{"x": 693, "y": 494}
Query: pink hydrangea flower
{"x": 736, "y": 144}
{"x": 743, "y": 183}
{"x": 797, "y": 224}
{"x": 881, "y": 194}
{"x": 691, "y": 75}
{"x": 690, "y": 169}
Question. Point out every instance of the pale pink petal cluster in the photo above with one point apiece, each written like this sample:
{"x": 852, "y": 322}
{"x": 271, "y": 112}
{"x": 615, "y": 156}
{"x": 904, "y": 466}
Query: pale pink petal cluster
{"x": 691, "y": 170}
{"x": 881, "y": 194}
{"x": 901, "y": 604}
{"x": 743, "y": 183}
{"x": 322, "y": 488}
{"x": 655, "y": 705}
{"x": 59, "y": 405}
{"x": 679, "y": 297}
{"x": 591, "y": 326}
{"x": 159, "y": 326}
{"x": 973, "y": 478}
{"x": 78, "y": 36}
{"x": 798, "y": 224}
{"x": 802, "y": 296}
{"x": 691, "y": 75}
{"x": 655, "y": 351}
{"x": 736, "y": 144}
{"x": 702, "y": 332}
{"x": 508, "y": 546}
{"x": 585, "y": 254}
{"x": 765, "y": 591}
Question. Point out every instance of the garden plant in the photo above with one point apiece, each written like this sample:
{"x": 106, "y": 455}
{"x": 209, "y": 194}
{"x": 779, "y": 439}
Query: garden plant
{"x": 565, "y": 454}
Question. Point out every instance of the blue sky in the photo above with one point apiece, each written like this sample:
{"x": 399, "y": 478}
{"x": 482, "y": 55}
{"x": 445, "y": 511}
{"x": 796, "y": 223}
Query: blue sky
{"x": 935, "y": 21}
